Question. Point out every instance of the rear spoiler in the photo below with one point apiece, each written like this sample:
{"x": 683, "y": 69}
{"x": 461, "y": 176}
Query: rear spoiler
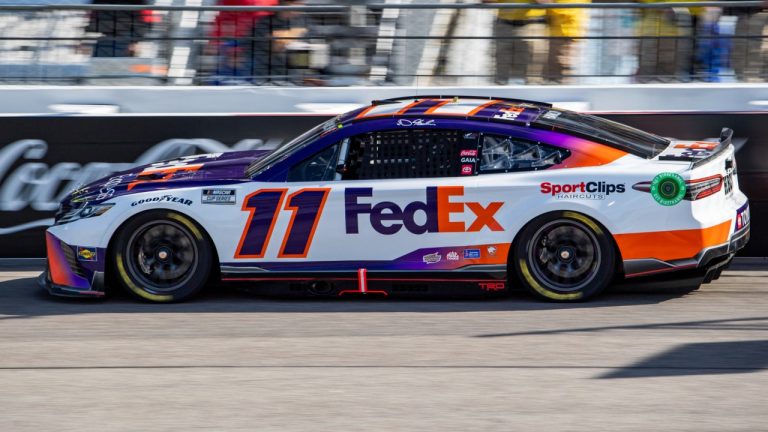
{"x": 701, "y": 157}
{"x": 726, "y": 136}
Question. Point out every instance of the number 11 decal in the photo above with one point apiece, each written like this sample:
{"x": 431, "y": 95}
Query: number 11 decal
{"x": 305, "y": 205}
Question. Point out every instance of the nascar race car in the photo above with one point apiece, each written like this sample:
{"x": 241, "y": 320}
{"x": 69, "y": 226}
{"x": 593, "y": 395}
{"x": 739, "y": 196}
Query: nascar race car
{"x": 413, "y": 195}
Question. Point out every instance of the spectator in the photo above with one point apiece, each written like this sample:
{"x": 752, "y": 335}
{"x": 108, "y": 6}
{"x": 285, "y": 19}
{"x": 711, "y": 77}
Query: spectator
{"x": 277, "y": 33}
{"x": 564, "y": 25}
{"x": 242, "y": 40}
{"x": 664, "y": 52}
{"x": 120, "y": 30}
{"x": 521, "y": 60}
{"x": 749, "y": 56}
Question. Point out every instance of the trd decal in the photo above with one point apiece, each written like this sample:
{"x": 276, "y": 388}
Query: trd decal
{"x": 388, "y": 218}
{"x": 491, "y": 286}
{"x": 305, "y": 205}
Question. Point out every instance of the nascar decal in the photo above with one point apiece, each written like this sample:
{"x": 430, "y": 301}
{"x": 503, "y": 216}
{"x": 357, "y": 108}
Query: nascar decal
{"x": 218, "y": 196}
{"x": 441, "y": 202}
{"x": 305, "y": 205}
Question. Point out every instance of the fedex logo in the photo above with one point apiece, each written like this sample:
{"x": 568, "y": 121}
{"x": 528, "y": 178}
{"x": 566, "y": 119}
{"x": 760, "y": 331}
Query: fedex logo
{"x": 441, "y": 203}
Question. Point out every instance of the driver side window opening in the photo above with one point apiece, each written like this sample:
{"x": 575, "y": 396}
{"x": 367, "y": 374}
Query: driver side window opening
{"x": 424, "y": 153}
{"x": 319, "y": 167}
{"x": 504, "y": 154}
{"x": 412, "y": 153}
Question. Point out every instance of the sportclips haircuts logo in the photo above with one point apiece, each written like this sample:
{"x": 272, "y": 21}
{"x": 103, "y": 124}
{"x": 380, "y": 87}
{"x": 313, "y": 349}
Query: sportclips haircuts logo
{"x": 594, "y": 190}
{"x": 443, "y": 210}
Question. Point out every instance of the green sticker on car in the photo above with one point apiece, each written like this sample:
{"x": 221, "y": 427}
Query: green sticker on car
{"x": 668, "y": 189}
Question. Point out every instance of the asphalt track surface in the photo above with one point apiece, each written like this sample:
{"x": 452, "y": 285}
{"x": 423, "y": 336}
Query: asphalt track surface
{"x": 637, "y": 359}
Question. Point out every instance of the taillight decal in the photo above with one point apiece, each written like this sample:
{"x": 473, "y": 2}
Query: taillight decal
{"x": 691, "y": 190}
{"x": 703, "y": 187}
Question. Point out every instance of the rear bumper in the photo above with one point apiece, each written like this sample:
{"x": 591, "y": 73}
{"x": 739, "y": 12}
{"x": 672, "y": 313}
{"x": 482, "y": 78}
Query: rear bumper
{"x": 708, "y": 260}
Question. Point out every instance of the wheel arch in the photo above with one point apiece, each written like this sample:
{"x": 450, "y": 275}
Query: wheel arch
{"x": 579, "y": 215}
{"x": 109, "y": 270}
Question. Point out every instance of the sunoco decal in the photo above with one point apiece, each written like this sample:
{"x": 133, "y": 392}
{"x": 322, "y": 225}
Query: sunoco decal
{"x": 86, "y": 254}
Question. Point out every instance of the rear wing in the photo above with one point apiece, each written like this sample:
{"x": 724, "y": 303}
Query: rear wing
{"x": 700, "y": 154}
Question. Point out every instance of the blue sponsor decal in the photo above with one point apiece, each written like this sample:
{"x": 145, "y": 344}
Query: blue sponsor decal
{"x": 471, "y": 253}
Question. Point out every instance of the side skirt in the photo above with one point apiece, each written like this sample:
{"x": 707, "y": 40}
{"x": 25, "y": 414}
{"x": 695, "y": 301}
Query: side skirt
{"x": 365, "y": 282}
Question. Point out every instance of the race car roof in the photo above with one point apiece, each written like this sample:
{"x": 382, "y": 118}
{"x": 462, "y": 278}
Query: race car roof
{"x": 533, "y": 114}
{"x": 513, "y": 110}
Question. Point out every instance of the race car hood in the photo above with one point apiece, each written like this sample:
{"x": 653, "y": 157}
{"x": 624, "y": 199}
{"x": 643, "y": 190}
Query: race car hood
{"x": 197, "y": 170}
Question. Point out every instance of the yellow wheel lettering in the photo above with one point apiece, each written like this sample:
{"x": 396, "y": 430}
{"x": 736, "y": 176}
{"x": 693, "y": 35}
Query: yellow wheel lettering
{"x": 585, "y": 220}
{"x": 124, "y": 276}
{"x": 543, "y": 291}
{"x": 186, "y": 223}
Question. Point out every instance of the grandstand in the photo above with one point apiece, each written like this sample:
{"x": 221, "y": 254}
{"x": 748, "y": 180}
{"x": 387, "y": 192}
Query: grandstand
{"x": 443, "y": 42}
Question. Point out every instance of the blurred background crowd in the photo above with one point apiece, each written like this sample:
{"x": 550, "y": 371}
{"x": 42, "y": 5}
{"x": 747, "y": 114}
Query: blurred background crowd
{"x": 314, "y": 42}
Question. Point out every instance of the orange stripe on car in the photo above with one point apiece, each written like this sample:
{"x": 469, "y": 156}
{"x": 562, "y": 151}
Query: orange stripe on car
{"x": 438, "y": 105}
{"x": 411, "y": 105}
{"x": 485, "y": 105}
{"x": 671, "y": 245}
{"x": 365, "y": 111}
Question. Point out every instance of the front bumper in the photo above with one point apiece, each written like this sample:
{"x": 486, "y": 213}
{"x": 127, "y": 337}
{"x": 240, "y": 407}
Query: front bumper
{"x": 73, "y": 271}
{"x": 44, "y": 280}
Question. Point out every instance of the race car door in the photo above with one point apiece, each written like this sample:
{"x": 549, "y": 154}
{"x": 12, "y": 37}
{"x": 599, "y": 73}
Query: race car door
{"x": 396, "y": 199}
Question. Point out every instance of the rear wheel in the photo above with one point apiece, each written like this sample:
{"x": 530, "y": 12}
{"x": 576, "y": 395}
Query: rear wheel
{"x": 162, "y": 256}
{"x": 564, "y": 256}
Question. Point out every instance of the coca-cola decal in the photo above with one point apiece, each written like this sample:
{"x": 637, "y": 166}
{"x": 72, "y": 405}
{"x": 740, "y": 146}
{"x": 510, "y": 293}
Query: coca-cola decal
{"x": 29, "y": 185}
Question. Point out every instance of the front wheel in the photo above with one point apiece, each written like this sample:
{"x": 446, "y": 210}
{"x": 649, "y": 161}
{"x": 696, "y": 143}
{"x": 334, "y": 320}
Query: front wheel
{"x": 162, "y": 256}
{"x": 564, "y": 256}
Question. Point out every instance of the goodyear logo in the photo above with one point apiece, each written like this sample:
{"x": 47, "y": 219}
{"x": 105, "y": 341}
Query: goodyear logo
{"x": 86, "y": 254}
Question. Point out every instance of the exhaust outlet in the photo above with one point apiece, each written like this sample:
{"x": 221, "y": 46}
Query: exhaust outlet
{"x": 320, "y": 288}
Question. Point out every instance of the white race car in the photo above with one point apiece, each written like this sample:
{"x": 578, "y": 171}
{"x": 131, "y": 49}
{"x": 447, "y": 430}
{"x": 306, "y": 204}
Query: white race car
{"x": 408, "y": 196}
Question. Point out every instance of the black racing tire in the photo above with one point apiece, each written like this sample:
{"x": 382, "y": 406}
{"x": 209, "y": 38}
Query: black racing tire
{"x": 564, "y": 256}
{"x": 162, "y": 256}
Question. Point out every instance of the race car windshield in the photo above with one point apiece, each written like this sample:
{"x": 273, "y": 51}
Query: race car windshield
{"x": 609, "y": 132}
{"x": 260, "y": 165}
